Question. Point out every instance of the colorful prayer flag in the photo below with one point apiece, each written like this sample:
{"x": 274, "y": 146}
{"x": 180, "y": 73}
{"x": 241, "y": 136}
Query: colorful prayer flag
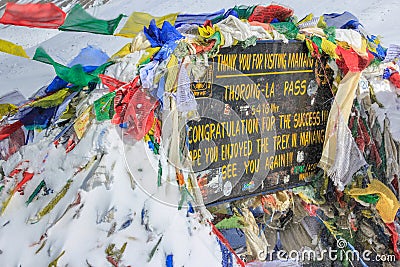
{"x": 137, "y": 20}
{"x": 80, "y": 21}
{"x": 39, "y": 15}
{"x": 104, "y": 107}
{"x": 11, "y": 48}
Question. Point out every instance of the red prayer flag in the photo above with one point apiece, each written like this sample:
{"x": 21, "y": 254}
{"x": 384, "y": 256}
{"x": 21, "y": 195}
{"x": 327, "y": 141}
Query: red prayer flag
{"x": 266, "y": 14}
{"x": 139, "y": 114}
{"x": 395, "y": 79}
{"x": 27, "y": 176}
{"x": 122, "y": 98}
{"x": 394, "y": 237}
{"x": 7, "y": 130}
{"x": 351, "y": 61}
{"x": 12, "y": 138}
{"x": 112, "y": 83}
{"x": 40, "y": 15}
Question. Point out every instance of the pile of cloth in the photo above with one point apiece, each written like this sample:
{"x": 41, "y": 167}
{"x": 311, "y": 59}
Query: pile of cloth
{"x": 355, "y": 196}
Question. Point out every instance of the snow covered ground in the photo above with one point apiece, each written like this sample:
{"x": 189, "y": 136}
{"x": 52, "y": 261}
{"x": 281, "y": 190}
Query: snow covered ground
{"x": 84, "y": 233}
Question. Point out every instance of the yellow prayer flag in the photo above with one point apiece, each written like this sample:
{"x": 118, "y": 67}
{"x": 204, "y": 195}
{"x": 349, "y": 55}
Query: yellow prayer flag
{"x": 82, "y": 122}
{"x": 308, "y": 18}
{"x": 387, "y": 204}
{"x": 137, "y": 20}
{"x": 11, "y": 48}
{"x": 206, "y": 31}
{"x": 173, "y": 70}
{"x": 149, "y": 52}
{"x": 329, "y": 48}
{"x": 7, "y": 109}
{"x": 125, "y": 50}
{"x": 52, "y": 100}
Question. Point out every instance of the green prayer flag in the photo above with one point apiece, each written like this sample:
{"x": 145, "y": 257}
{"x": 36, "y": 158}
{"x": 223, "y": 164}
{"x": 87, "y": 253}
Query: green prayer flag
{"x": 371, "y": 199}
{"x": 243, "y": 12}
{"x": 159, "y": 174}
{"x": 35, "y": 192}
{"x": 289, "y": 29}
{"x": 75, "y": 75}
{"x": 104, "y": 107}
{"x": 229, "y": 223}
{"x": 330, "y": 34}
{"x": 80, "y": 21}
{"x": 318, "y": 41}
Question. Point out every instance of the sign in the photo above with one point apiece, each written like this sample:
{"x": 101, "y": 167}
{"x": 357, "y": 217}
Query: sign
{"x": 263, "y": 112}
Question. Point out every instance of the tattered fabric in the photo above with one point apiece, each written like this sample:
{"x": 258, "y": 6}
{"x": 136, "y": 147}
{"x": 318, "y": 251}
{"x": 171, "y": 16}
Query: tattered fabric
{"x": 308, "y": 22}
{"x": 394, "y": 238}
{"x": 353, "y": 38}
{"x": 289, "y": 29}
{"x": 391, "y": 152}
{"x": 82, "y": 122}
{"x": 122, "y": 100}
{"x": 14, "y": 97}
{"x": 241, "y": 12}
{"x": 256, "y": 244}
{"x": 392, "y": 53}
{"x": 12, "y": 144}
{"x": 165, "y": 37}
{"x": 395, "y": 79}
{"x": 233, "y": 29}
{"x": 376, "y": 48}
{"x": 112, "y": 83}
{"x": 7, "y": 130}
{"x": 184, "y": 96}
{"x": 338, "y": 117}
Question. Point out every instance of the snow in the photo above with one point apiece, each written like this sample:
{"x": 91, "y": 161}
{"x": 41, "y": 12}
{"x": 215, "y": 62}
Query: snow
{"x": 83, "y": 231}
{"x": 112, "y": 195}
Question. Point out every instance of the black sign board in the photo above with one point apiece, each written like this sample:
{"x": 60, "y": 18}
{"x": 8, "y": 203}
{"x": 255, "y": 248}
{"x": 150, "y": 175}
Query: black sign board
{"x": 263, "y": 112}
